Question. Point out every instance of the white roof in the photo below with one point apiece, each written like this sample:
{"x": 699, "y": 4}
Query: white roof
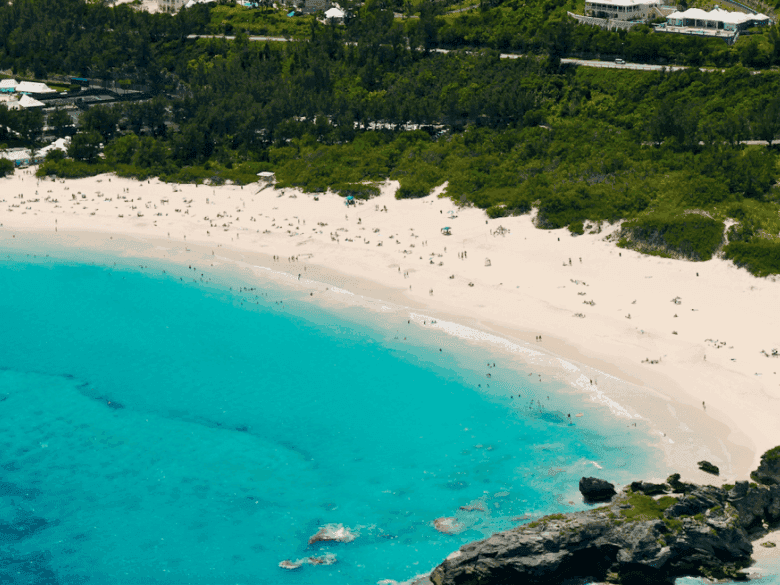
{"x": 27, "y": 102}
{"x": 717, "y": 15}
{"x": 33, "y": 87}
{"x": 265, "y": 174}
{"x": 59, "y": 144}
{"x": 623, "y": 2}
{"x": 7, "y": 83}
{"x": 334, "y": 13}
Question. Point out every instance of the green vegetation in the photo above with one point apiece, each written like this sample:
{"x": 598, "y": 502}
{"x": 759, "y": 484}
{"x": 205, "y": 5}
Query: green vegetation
{"x": 234, "y": 19}
{"x": 759, "y": 257}
{"x": 673, "y": 524}
{"x": 6, "y": 167}
{"x": 772, "y": 455}
{"x": 691, "y": 236}
{"x": 646, "y": 508}
{"x": 546, "y": 519}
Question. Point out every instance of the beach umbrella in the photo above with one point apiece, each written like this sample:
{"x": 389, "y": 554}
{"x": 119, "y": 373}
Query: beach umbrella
{"x": 350, "y": 198}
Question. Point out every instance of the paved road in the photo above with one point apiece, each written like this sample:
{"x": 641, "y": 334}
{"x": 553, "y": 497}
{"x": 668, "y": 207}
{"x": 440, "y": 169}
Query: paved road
{"x": 232, "y": 38}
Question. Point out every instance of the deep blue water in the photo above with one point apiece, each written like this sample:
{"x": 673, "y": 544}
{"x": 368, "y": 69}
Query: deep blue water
{"x": 157, "y": 430}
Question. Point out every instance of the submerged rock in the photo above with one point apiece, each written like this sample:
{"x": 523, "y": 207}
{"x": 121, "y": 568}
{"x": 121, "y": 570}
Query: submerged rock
{"x": 327, "y": 559}
{"x": 596, "y": 490}
{"x": 333, "y": 533}
{"x": 448, "y": 525}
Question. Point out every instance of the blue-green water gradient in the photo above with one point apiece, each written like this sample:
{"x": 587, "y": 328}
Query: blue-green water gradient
{"x": 158, "y": 430}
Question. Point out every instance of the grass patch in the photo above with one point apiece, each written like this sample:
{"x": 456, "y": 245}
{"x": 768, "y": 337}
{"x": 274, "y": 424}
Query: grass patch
{"x": 232, "y": 19}
{"x": 646, "y": 508}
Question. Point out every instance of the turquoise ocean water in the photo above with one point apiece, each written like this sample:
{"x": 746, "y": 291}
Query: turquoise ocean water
{"x": 158, "y": 430}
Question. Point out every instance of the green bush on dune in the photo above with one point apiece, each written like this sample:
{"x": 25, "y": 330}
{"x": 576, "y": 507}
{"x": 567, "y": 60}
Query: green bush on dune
{"x": 692, "y": 236}
{"x": 759, "y": 257}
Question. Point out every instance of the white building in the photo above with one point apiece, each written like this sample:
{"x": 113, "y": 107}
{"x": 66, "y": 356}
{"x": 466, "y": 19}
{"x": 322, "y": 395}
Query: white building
{"x": 621, "y": 9}
{"x": 170, "y": 5}
{"x": 26, "y": 87}
{"x": 335, "y": 13}
{"x": 717, "y": 19}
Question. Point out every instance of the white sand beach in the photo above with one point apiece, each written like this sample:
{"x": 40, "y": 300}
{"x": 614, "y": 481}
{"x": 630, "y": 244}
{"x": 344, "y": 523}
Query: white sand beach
{"x": 688, "y": 339}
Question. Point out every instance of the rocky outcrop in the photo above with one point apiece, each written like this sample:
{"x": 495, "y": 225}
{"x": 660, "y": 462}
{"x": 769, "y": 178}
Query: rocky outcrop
{"x": 635, "y": 539}
{"x": 756, "y": 505}
{"x": 596, "y": 490}
{"x": 768, "y": 472}
{"x": 708, "y": 467}
{"x": 650, "y": 489}
{"x": 677, "y": 486}
{"x": 700, "y": 531}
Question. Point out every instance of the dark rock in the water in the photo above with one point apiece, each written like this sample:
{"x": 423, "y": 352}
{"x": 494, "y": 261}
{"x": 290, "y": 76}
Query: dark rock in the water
{"x": 596, "y": 490}
{"x": 768, "y": 472}
{"x": 649, "y": 489}
{"x": 708, "y": 467}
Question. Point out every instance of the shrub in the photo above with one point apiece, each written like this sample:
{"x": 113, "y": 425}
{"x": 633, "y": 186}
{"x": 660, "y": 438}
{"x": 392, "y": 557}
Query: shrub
{"x": 71, "y": 169}
{"x": 772, "y": 454}
{"x": 759, "y": 257}
{"x": 577, "y": 228}
{"x": 6, "y": 167}
{"x": 412, "y": 189}
{"x": 691, "y": 236}
{"x": 356, "y": 190}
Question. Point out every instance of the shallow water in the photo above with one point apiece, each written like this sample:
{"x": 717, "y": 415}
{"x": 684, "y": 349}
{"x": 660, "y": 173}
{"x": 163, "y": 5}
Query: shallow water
{"x": 158, "y": 430}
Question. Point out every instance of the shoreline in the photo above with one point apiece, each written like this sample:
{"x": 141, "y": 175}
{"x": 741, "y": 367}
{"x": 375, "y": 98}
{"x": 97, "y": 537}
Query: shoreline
{"x": 736, "y": 426}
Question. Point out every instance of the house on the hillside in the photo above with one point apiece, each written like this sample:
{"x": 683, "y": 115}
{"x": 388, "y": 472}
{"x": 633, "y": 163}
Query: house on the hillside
{"x": 622, "y": 9}
{"x": 717, "y": 19}
{"x": 33, "y": 87}
{"x": 335, "y": 14}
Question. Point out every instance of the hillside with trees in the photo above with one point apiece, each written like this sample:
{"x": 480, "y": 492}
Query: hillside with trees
{"x": 357, "y": 104}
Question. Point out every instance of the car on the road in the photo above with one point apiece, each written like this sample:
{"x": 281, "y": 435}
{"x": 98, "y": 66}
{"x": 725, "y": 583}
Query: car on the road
{"x": 619, "y": 62}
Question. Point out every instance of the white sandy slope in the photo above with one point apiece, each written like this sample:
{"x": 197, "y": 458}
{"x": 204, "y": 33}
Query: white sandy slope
{"x": 712, "y": 393}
